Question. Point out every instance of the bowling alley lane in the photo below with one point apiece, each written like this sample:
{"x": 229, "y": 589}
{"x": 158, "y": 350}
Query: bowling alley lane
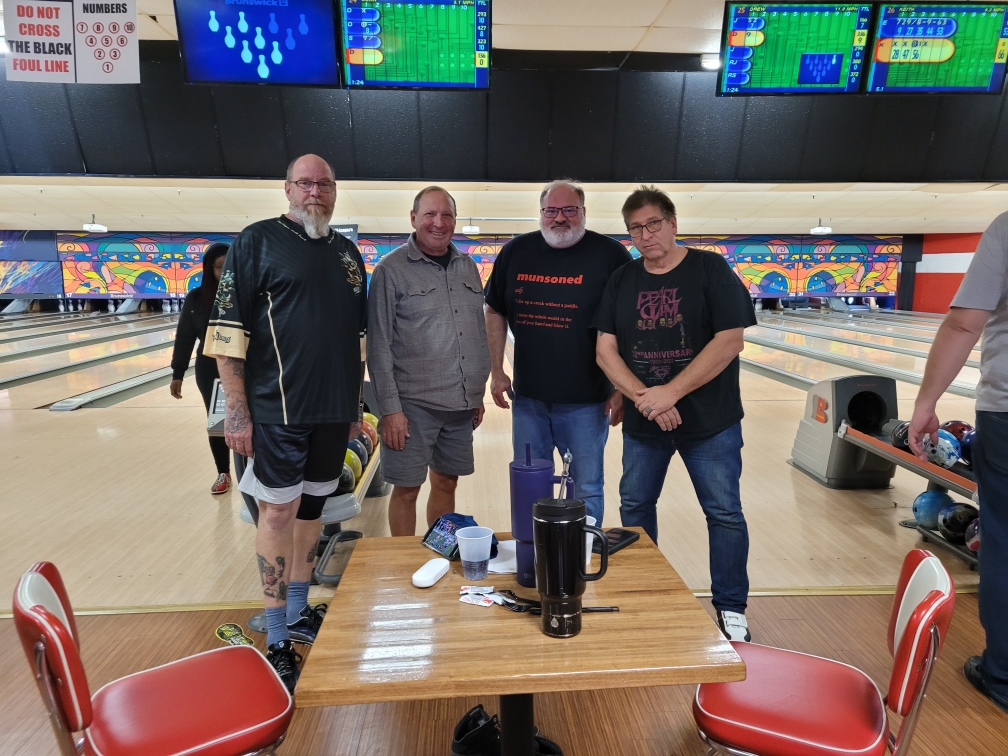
{"x": 51, "y": 327}
{"x": 57, "y": 341}
{"x": 919, "y": 329}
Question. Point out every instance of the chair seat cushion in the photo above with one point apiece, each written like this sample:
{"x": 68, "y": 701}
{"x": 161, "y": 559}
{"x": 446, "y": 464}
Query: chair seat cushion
{"x": 792, "y": 704}
{"x": 222, "y": 702}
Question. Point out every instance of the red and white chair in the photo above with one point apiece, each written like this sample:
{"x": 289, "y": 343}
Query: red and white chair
{"x": 793, "y": 704}
{"x": 195, "y": 706}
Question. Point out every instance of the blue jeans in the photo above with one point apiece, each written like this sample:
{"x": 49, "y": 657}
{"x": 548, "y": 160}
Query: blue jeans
{"x": 582, "y": 428}
{"x": 991, "y": 468}
{"x": 714, "y": 465}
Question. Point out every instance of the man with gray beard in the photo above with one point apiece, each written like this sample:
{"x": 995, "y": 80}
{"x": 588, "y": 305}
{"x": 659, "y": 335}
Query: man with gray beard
{"x": 287, "y": 329}
{"x": 546, "y": 286}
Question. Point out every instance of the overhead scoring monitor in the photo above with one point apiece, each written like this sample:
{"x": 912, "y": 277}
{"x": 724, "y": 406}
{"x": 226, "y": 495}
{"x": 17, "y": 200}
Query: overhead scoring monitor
{"x": 786, "y": 49}
{"x": 418, "y": 44}
{"x": 939, "y": 48}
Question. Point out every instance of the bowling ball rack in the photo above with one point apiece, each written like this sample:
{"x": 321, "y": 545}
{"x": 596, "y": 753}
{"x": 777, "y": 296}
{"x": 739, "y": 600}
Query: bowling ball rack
{"x": 958, "y": 478}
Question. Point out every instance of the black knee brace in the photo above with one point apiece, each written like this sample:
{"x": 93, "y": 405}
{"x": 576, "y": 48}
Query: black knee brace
{"x": 311, "y": 507}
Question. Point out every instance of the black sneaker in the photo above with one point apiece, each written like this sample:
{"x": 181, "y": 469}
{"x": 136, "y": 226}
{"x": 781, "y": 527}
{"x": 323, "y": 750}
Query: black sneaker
{"x": 285, "y": 661}
{"x": 734, "y": 626}
{"x": 476, "y": 734}
{"x": 546, "y": 747}
{"x": 971, "y": 669}
{"x": 308, "y": 624}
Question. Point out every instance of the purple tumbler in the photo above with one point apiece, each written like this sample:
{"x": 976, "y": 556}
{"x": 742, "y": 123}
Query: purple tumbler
{"x": 531, "y": 479}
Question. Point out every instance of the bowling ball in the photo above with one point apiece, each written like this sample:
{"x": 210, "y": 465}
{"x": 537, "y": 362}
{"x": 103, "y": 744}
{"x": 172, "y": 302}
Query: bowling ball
{"x": 973, "y": 535}
{"x": 901, "y": 436}
{"x": 365, "y": 439}
{"x": 957, "y": 428}
{"x": 953, "y": 521}
{"x": 372, "y": 433}
{"x": 946, "y": 452}
{"x": 927, "y": 506}
{"x": 346, "y": 480}
{"x": 369, "y": 418}
{"x": 358, "y": 448}
{"x": 966, "y": 447}
{"x": 353, "y": 460}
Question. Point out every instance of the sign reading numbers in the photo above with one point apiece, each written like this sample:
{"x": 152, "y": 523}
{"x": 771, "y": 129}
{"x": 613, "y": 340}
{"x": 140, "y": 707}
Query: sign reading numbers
{"x": 72, "y": 41}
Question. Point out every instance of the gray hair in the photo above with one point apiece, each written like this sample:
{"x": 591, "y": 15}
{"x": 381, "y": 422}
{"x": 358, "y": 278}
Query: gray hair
{"x": 645, "y": 196}
{"x": 565, "y": 182}
{"x": 428, "y": 190}
{"x": 290, "y": 166}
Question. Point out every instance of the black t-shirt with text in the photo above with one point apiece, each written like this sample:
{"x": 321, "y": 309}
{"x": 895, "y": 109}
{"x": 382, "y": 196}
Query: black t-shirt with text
{"x": 549, "y": 297}
{"x": 662, "y": 322}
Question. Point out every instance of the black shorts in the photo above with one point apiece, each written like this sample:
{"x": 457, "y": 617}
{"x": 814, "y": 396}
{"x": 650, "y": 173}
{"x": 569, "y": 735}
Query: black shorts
{"x": 293, "y": 459}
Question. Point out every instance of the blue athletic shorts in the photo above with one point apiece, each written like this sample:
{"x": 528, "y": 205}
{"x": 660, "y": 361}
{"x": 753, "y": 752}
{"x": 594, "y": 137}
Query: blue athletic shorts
{"x": 293, "y": 459}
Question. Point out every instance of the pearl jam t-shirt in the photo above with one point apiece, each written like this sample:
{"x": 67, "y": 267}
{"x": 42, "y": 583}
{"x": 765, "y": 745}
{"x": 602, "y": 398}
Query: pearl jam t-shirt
{"x": 662, "y": 322}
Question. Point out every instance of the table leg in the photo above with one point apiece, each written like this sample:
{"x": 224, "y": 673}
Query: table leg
{"x": 517, "y": 723}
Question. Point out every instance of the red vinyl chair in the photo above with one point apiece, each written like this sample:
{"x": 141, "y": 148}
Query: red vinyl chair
{"x": 186, "y": 707}
{"x": 793, "y": 704}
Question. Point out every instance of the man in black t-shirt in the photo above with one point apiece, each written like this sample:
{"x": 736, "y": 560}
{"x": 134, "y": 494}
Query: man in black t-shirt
{"x": 670, "y": 331}
{"x": 545, "y": 286}
{"x": 287, "y": 329}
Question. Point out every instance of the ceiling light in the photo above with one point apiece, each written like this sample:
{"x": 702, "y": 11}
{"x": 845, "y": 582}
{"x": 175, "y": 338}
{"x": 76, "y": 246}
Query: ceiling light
{"x": 95, "y": 228}
{"x": 710, "y": 61}
{"x": 820, "y": 230}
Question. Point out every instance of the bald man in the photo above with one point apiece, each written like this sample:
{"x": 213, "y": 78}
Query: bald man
{"x": 287, "y": 329}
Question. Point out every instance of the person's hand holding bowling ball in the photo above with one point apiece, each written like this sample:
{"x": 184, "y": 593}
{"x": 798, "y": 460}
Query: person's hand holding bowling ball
{"x": 923, "y": 423}
{"x": 394, "y": 430}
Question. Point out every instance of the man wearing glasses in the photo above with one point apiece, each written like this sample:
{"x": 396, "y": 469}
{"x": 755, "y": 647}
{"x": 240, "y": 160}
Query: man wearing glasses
{"x": 546, "y": 285}
{"x": 670, "y": 331}
{"x": 287, "y": 329}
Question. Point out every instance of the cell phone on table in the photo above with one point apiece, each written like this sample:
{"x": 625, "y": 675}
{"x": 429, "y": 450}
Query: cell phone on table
{"x": 618, "y": 538}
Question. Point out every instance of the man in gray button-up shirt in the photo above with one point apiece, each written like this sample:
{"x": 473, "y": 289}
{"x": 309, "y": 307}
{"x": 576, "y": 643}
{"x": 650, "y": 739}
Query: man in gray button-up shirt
{"x": 428, "y": 361}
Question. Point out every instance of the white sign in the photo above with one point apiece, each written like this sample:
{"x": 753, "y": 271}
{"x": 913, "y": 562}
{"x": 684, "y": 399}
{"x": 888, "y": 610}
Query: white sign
{"x": 73, "y": 41}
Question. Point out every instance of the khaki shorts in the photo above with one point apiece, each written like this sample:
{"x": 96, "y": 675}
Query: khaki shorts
{"x": 439, "y": 439}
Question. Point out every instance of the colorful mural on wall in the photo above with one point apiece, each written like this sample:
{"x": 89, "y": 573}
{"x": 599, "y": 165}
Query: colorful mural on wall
{"x": 20, "y": 278}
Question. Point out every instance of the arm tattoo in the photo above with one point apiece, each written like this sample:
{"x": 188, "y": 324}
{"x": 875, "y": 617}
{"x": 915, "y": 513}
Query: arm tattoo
{"x": 311, "y": 552}
{"x": 237, "y": 367}
{"x": 237, "y": 418}
{"x": 272, "y": 577}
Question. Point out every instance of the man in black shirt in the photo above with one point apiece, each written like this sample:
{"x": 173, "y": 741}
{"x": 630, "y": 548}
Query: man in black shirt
{"x": 287, "y": 329}
{"x": 546, "y": 286}
{"x": 670, "y": 331}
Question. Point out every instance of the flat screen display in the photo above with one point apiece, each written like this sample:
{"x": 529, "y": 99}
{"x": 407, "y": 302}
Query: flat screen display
{"x": 793, "y": 48}
{"x": 939, "y": 48}
{"x": 258, "y": 42}
{"x": 420, "y": 44}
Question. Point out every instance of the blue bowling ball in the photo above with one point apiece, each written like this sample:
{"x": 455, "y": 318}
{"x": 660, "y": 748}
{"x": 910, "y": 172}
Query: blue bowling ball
{"x": 946, "y": 452}
{"x": 358, "y": 448}
{"x": 966, "y": 447}
{"x": 928, "y": 505}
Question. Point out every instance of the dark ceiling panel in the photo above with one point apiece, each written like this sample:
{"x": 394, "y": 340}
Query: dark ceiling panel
{"x": 386, "y": 134}
{"x": 894, "y": 152}
{"x": 453, "y": 135}
{"x": 710, "y": 131}
{"x": 318, "y": 120}
{"x": 518, "y": 126}
{"x": 772, "y": 138}
{"x": 38, "y": 127}
{"x": 583, "y": 125}
{"x": 250, "y": 124}
{"x": 997, "y": 162}
{"x": 180, "y": 121}
{"x": 837, "y": 134}
{"x": 119, "y": 151}
{"x": 962, "y": 137}
{"x": 647, "y": 126}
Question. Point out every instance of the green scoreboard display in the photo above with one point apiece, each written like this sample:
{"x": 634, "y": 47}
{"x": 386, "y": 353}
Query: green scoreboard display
{"x": 939, "y": 48}
{"x": 793, "y": 49}
{"x": 419, "y": 44}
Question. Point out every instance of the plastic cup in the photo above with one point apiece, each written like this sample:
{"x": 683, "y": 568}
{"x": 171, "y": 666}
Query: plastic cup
{"x": 474, "y": 551}
{"x": 589, "y": 537}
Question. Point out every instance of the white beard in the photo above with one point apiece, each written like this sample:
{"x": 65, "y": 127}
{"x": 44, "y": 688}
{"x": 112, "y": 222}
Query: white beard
{"x": 562, "y": 238}
{"x": 314, "y": 219}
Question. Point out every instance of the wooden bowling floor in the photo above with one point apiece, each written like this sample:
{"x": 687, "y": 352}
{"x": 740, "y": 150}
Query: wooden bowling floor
{"x": 630, "y": 722}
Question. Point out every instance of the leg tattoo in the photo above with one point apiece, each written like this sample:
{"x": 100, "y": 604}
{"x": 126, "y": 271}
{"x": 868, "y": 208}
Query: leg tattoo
{"x": 312, "y": 551}
{"x": 272, "y": 577}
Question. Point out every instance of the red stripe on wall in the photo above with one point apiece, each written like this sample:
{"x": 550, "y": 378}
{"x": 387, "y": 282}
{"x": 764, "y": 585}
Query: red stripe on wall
{"x": 935, "y": 243}
{"x": 933, "y": 292}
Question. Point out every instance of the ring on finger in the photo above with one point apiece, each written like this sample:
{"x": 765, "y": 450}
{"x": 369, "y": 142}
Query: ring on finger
{"x": 647, "y": 410}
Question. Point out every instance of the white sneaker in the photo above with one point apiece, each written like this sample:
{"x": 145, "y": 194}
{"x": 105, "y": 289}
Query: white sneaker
{"x": 734, "y": 626}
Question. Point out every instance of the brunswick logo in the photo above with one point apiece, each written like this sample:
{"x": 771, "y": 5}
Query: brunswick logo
{"x": 550, "y": 279}
{"x": 819, "y": 414}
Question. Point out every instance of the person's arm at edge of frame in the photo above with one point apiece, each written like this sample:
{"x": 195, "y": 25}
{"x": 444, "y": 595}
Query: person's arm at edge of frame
{"x": 394, "y": 428}
{"x": 185, "y": 341}
{"x": 496, "y": 330}
{"x": 956, "y": 337}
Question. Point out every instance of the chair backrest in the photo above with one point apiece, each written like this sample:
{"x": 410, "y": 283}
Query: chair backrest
{"x": 42, "y": 614}
{"x": 925, "y": 597}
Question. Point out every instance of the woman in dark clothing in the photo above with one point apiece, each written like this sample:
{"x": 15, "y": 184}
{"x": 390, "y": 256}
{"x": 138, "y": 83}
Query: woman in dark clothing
{"x": 192, "y": 327}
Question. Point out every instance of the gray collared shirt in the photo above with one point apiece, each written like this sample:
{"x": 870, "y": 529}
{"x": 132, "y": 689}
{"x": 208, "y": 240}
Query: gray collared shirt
{"x": 427, "y": 339}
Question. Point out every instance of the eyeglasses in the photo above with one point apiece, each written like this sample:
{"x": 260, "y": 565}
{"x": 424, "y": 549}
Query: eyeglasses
{"x": 571, "y": 211}
{"x": 653, "y": 227}
{"x": 325, "y": 187}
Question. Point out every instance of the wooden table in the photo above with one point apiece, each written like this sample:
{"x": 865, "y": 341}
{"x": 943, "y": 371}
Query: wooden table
{"x": 385, "y": 640}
